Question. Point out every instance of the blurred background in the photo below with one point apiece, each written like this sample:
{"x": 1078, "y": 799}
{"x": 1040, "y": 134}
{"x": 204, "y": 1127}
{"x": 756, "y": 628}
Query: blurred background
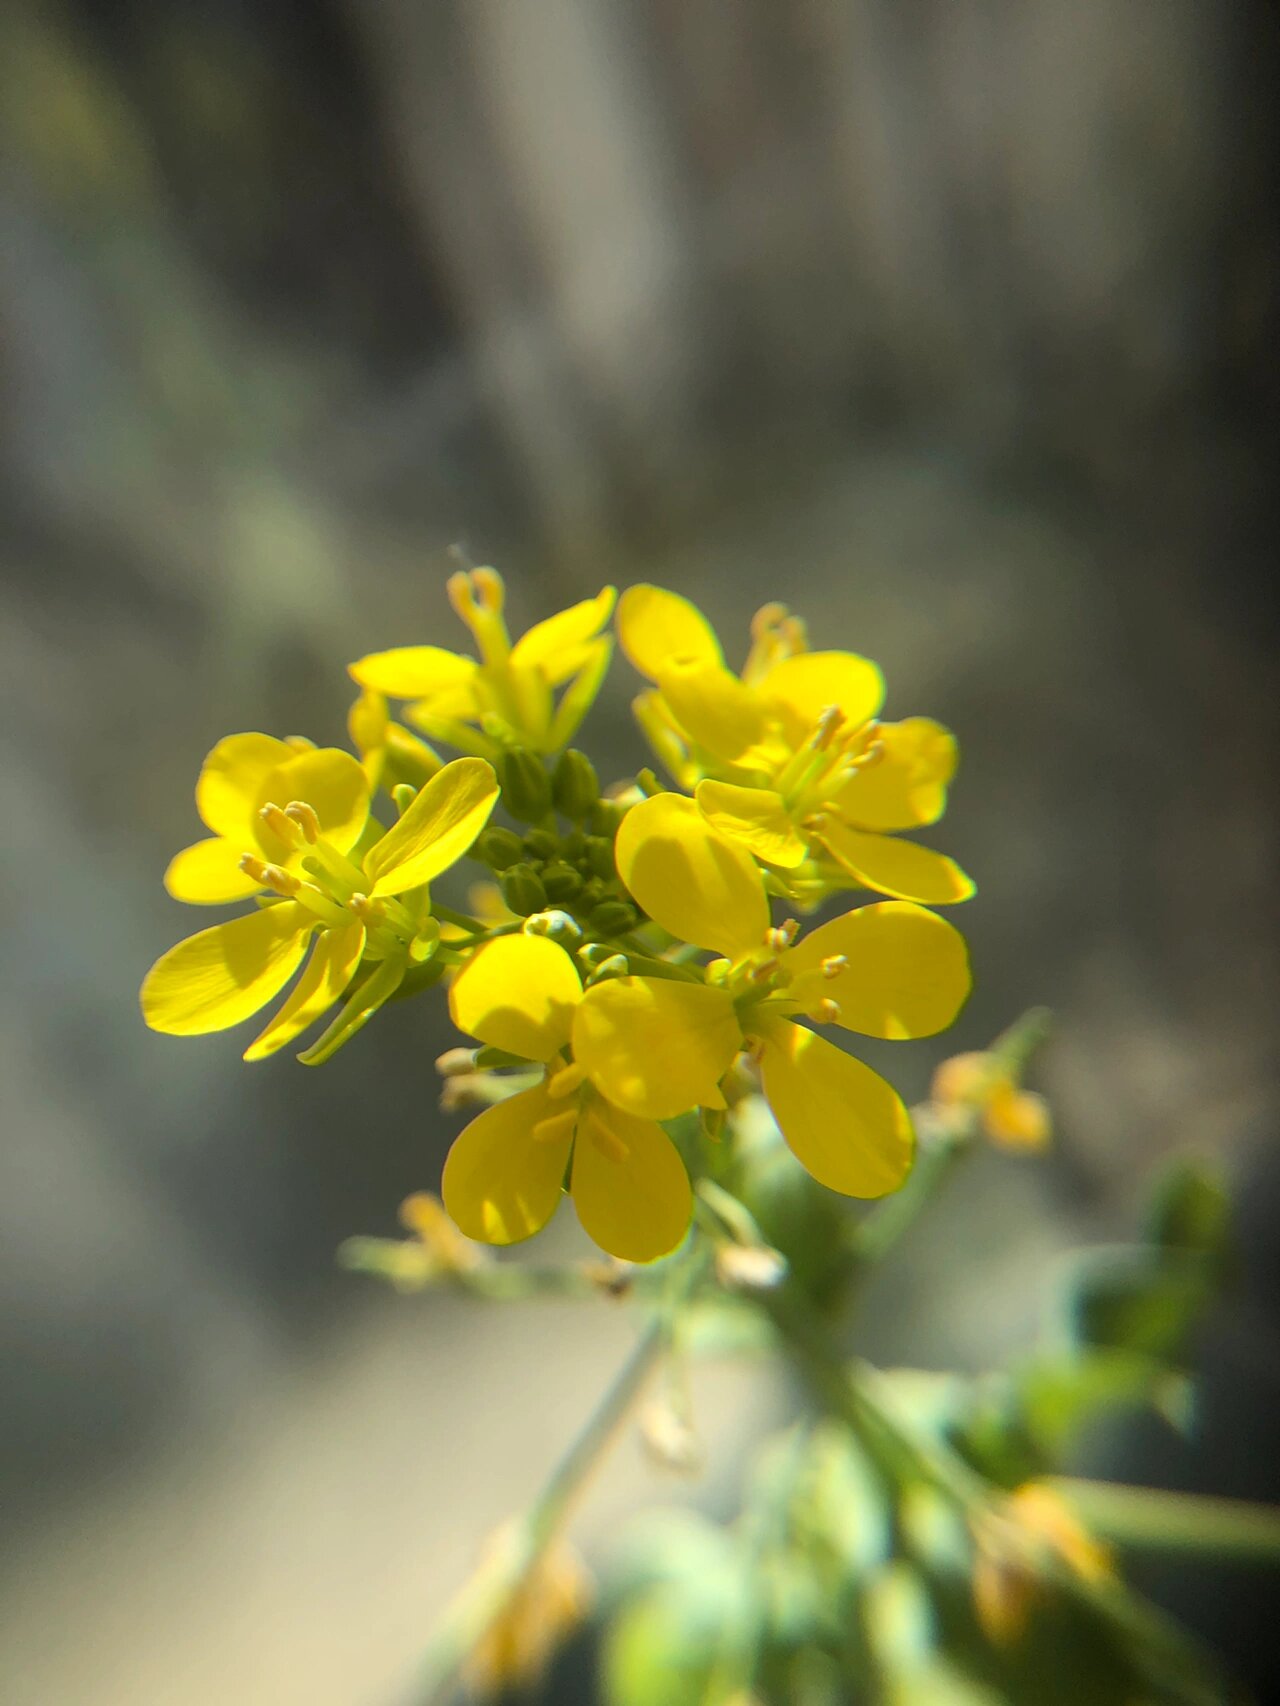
{"x": 951, "y": 324}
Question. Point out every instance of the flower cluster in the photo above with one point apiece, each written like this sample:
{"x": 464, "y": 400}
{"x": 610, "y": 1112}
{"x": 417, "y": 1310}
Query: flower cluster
{"x": 632, "y": 972}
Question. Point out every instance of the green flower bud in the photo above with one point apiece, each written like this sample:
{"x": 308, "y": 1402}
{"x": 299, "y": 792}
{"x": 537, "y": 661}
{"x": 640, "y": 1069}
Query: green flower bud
{"x": 573, "y": 845}
{"x": 499, "y": 848}
{"x": 523, "y": 891}
{"x": 612, "y": 918}
{"x": 526, "y": 787}
{"x": 542, "y": 844}
{"x": 604, "y": 818}
{"x": 561, "y": 881}
{"x": 615, "y": 966}
{"x": 599, "y": 857}
{"x": 593, "y": 892}
{"x": 575, "y": 787}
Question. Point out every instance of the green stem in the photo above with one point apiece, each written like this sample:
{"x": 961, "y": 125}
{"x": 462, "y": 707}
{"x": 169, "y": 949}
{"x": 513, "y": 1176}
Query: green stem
{"x": 1148, "y": 1519}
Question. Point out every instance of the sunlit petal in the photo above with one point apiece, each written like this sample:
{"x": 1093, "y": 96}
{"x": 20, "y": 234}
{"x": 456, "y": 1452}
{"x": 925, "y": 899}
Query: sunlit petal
{"x": 412, "y": 672}
{"x": 215, "y": 979}
{"x": 630, "y": 1186}
{"x": 656, "y": 1047}
{"x": 500, "y": 1183}
{"x": 332, "y": 783}
{"x": 557, "y": 647}
{"x": 803, "y": 686}
{"x": 699, "y": 885}
{"x": 844, "y": 1124}
{"x": 755, "y": 817}
{"x": 440, "y": 825}
{"x": 228, "y": 792}
{"x": 907, "y": 970}
{"x": 655, "y": 626}
{"x": 330, "y": 969}
{"x": 209, "y": 874}
{"x": 518, "y": 994}
{"x": 713, "y": 708}
{"x": 894, "y": 867}
{"x": 907, "y": 784}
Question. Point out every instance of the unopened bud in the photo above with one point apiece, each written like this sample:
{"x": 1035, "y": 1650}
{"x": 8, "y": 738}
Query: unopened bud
{"x": 562, "y": 927}
{"x": 612, "y": 918}
{"x": 542, "y": 844}
{"x": 523, "y": 891}
{"x": 604, "y": 818}
{"x": 526, "y": 787}
{"x": 616, "y": 965}
{"x": 561, "y": 881}
{"x": 599, "y": 857}
{"x": 499, "y": 848}
{"x": 575, "y": 787}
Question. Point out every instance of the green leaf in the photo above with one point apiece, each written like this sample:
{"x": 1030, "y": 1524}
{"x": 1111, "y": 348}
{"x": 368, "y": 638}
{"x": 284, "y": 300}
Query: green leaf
{"x": 1138, "y": 1300}
{"x": 1190, "y": 1208}
{"x": 662, "y": 1648}
{"x": 1058, "y": 1396}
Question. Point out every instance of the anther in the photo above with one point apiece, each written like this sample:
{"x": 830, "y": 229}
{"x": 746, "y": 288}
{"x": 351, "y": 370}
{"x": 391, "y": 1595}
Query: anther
{"x": 826, "y": 1011}
{"x": 366, "y": 910}
{"x": 766, "y": 619}
{"x": 566, "y": 1081}
{"x": 834, "y": 964}
{"x": 454, "y": 1061}
{"x": 781, "y": 936}
{"x": 762, "y": 971}
{"x": 284, "y": 828}
{"x": 270, "y": 876}
{"x": 489, "y": 588}
{"x": 828, "y": 724}
{"x": 305, "y": 817}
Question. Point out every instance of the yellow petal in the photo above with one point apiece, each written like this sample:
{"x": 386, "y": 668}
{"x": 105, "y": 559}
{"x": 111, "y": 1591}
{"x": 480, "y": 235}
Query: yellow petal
{"x": 217, "y": 978}
{"x": 500, "y": 1183}
{"x": 756, "y": 817}
{"x": 898, "y": 868}
{"x": 907, "y": 784}
{"x": 437, "y": 829}
{"x": 695, "y": 882}
{"x": 655, "y": 627}
{"x": 714, "y": 708}
{"x": 557, "y": 648}
{"x": 229, "y": 790}
{"x": 844, "y": 1124}
{"x": 907, "y": 973}
{"x": 332, "y": 783}
{"x": 518, "y": 994}
{"x": 209, "y": 874}
{"x": 412, "y": 672}
{"x": 656, "y": 1047}
{"x": 328, "y": 972}
{"x": 629, "y": 1187}
{"x": 805, "y": 685}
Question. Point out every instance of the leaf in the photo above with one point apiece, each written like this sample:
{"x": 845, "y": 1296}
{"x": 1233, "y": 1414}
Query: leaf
{"x": 1138, "y": 1300}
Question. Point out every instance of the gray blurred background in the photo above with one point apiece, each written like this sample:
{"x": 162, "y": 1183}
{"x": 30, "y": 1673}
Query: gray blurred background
{"x": 952, "y": 324}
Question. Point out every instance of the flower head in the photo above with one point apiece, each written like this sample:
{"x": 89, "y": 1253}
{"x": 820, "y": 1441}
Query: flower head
{"x": 510, "y": 688}
{"x": 790, "y": 759}
{"x": 357, "y": 897}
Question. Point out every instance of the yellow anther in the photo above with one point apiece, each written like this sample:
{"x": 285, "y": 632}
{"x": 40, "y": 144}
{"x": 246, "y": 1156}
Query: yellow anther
{"x": 766, "y": 619}
{"x": 305, "y": 817}
{"x": 781, "y": 936}
{"x": 270, "y": 876}
{"x": 795, "y": 636}
{"x": 283, "y": 827}
{"x": 490, "y": 589}
{"x": 762, "y": 971}
{"x": 300, "y": 743}
{"x": 557, "y": 1128}
{"x": 366, "y": 910}
{"x": 826, "y": 1011}
{"x": 834, "y": 964}
{"x": 827, "y": 728}
{"x": 566, "y": 1081}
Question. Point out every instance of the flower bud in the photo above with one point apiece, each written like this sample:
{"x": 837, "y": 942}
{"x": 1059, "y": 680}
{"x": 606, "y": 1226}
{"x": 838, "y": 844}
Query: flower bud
{"x": 575, "y": 787}
{"x": 604, "y": 818}
{"x": 561, "y": 881}
{"x": 612, "y": 918}
{"x": 526, "y": 787}
{"x": 617, "y": 965}
{"x": 599, "y": 857}
{"x": 523, "y": 891}
{"x": 542, "y": 844}
{"x": 499, "y": 848}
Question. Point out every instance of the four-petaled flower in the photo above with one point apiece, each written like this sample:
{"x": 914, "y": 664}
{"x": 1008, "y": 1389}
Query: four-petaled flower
{"x": 789, "y": 759}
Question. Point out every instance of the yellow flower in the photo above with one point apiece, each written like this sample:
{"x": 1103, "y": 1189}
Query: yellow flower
{"x": 389, "y": 753}
{"x": 505, "y": 1172}
{"x": 375, "y": 911}
{"x": 656, "y": 1046}
{"x": 1011, "y": 1117}
{"x": 510, "y": 688}
{"x": 240, "y": 776}
{"x": 790, "y": 759}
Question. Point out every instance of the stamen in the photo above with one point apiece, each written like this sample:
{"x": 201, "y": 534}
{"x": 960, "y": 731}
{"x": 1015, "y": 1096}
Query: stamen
{"x": 492, "y": 593}
{"x": 834, "y": 964}
{"x": 281, "y": 826}
{"x": 454, "y": 1061}
{"x": 557, "y": 1128}
{"x": 766, "y": 619}
{"x": 566, "y": 1081}
{"x": 826, "y": 1011}
{"x": 270, "y": 876}
{"x": 781, "y": 936}
{"x": 828, "y": 725}
{"x": 305, "y": 817}
{"x": 366, "y": 910}
{"x": 762, "y": 971}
